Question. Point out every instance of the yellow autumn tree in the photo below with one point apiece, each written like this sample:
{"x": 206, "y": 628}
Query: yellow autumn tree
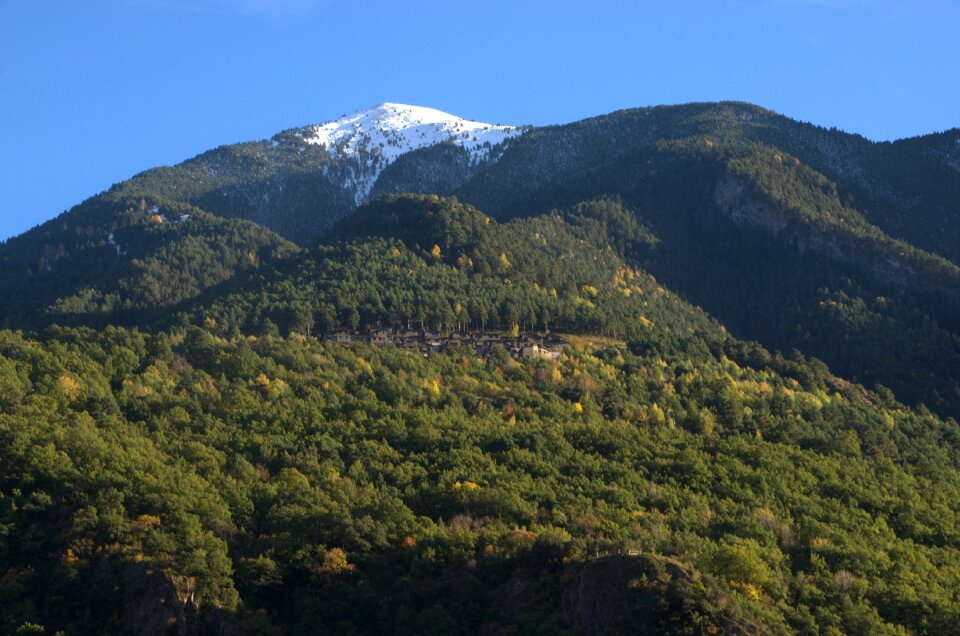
{"x": 69, "y": 386}
{"x": 335, "y": 562}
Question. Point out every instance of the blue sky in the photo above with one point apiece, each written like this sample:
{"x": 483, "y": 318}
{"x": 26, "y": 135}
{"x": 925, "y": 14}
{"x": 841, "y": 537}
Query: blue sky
{"x": 93, "y": 91}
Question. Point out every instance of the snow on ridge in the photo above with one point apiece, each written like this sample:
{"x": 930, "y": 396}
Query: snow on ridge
{"x": 379, "y": 135}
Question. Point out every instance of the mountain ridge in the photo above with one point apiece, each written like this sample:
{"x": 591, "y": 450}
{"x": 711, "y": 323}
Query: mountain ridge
{"x": 748, "y": 425}
{"x": 837, "y": 230}
{"x": 297, "y": 186}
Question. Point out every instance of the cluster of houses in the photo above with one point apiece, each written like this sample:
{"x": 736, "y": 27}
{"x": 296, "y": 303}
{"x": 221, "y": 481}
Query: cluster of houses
{"x": 425, "y": 342}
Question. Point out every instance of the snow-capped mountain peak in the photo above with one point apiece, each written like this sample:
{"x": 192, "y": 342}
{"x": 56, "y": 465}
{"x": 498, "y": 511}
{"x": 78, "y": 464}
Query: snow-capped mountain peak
{"x": 377, "y": 136}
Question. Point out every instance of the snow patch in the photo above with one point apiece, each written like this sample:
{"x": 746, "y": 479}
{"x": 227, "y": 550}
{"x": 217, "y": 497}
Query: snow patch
{"x": 113, "y": 241}
{"x": 377, "y": 136}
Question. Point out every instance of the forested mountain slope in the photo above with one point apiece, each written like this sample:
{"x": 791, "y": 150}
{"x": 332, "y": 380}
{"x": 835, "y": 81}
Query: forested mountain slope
{"x": 435, "y": 263}
{"x": 772, "y": 287}
{"x": 119, "y": 260}
{"x": 300, "y": 182}
{"x": 270, "y": 485}
{"x": 794, "y": 235}
{"x": 773, "y": 248}
{"x": 181, "y": 452}
{"x": 906, "y": 188}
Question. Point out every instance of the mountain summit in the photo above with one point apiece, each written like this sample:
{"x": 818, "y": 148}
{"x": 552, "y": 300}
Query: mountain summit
{"x": 381, "y": 134}
{"x": 304, "y": 179}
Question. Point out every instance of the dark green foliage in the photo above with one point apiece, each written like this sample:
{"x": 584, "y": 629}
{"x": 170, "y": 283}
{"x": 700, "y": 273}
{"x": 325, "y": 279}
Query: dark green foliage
{"x": 292, "y": 187}
{"x": 764, "y": 222}
{"x": 448, "y": 266}
{"x": 119, "y": 260}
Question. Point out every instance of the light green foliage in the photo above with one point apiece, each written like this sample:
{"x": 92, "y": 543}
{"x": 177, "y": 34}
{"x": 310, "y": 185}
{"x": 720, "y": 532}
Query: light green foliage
{"x": 177, "y": 456}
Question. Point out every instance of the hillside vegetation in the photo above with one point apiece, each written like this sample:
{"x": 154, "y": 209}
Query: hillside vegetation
{"x": 430, "y": 262}
{"x": 785, "y": 244}
{"x": 751, "y": 429}
{"x": 263, "y": 484}
{"x": 118, "y": 260}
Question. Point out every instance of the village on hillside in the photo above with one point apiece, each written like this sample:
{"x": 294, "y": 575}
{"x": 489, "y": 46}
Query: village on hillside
{"x": 546, "y": 347}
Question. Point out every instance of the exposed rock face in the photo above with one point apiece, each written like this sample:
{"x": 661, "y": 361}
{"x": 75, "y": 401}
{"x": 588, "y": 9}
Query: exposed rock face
{"x": 645, "y": 594}
{"x": 599, "y": 598}
{"x": 736, "y": 200}
{"x": 145, "y": 601}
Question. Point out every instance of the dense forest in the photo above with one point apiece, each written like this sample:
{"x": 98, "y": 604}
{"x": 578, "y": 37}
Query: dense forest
{"x": 432, "y": 262}
{"x": 750, "y": 430}
{"x": 120, "y": 260}
{"x": 263, "y": 484}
